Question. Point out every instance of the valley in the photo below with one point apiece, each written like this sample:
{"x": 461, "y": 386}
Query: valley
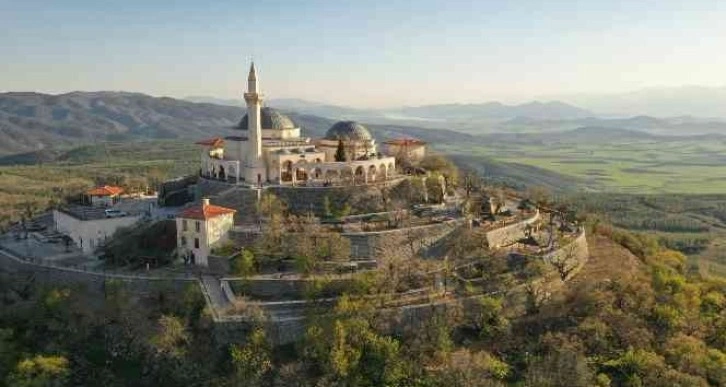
{"x": 626, "y": 165}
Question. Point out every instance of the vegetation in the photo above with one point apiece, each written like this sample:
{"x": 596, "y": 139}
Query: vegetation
{"x": 658, "y": 326}
{"x": 148, "y": 243}
{"x": 627, "y": 163}
{"x": 26, "y": 190}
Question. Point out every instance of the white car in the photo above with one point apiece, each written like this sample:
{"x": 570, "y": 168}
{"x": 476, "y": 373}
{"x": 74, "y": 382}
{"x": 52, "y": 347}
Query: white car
{"x": 111, "y": 213}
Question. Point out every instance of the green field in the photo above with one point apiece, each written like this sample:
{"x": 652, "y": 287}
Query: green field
{"x": 639, "y": 166}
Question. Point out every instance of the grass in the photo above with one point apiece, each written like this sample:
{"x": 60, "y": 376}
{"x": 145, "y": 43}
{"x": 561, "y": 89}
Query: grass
{"x": 652, "y": 166}
{"x": 29, "y": 189}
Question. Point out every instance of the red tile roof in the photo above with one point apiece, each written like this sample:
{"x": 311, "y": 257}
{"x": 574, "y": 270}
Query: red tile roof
{"x": 405, "y": 141}
{"x": 213, "y": 142}
{"x": 204, "y": 212}
{"x": 106, "y": 190}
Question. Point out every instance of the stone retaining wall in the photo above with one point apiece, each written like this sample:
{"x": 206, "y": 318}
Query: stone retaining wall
{"x": 92, "y": 281}
{"x": 573, "y": 255}
{"x": 398, "y": 243}
{"x": 510, "y": 233}
{"x": 290, "y": 289}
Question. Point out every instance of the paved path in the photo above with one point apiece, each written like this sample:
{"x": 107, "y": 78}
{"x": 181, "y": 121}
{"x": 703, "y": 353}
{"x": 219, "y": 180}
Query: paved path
{"x": 213, "y": 289}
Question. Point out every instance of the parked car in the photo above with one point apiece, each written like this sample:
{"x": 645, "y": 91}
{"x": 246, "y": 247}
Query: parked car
{"x": 111, "y": 213}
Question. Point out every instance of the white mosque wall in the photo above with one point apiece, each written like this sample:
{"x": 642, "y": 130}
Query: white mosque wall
{"x": 353, "y": 149}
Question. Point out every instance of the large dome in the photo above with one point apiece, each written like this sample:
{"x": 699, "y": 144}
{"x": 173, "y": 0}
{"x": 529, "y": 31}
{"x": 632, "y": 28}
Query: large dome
{"x": 348, "y": 130}
{"x": 271, "y": 119}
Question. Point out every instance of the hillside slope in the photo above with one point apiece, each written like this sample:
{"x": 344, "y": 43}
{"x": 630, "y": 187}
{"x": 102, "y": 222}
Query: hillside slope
{"x": 32, "y": 121}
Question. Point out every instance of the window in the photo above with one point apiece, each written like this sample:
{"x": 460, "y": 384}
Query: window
{"x": 197, "y": 226}
{"x": 196, "y": 243}
{"x": 184, "y": 225}
{"x": 183, "y": 241}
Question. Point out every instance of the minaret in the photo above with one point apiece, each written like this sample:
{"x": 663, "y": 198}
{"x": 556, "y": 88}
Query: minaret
{"x": 254, "y": 168}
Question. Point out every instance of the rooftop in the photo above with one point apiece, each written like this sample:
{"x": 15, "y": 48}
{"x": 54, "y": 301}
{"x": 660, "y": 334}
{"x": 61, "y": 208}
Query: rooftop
{"x": 84, "y": 212}
{"x": 213, "y": 142}
{"x": 106, "y": 190}
{"x": 205, "y": 211}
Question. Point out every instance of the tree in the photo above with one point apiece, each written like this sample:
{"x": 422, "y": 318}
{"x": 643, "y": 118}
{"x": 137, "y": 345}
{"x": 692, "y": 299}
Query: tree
{"x": 251, "y": 361}
{"x": 540, "y": 196}
{"x": 243, "y": 264}
{"x": 566, "y": 260}
{"x": 468, "y": 368}
{"x": 340, "y": 151}
{"x": 171, "y": 337}
{"x": 442, "y": 165}
{"x": 487, "y": 318}
{"x": 40, "y": 371}
{"x": 270, "y": 206}
{"x": 472, "y": 182}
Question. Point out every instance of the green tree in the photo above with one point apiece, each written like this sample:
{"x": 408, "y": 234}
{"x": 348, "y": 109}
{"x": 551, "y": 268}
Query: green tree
{"x": 252, "y": 360}
{"x": 487, "y": 317}
{"x": 171, "y": 338}
{"x": 340, "y": 152}
{"x": 243, "y": 264}
{"x": 40, "y": 371}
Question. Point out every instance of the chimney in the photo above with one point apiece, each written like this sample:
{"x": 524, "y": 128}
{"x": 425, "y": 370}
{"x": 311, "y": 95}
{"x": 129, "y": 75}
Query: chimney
{"x": 205, "y": 202}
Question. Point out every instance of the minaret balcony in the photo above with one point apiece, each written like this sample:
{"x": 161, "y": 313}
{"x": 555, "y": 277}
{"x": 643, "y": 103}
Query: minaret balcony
{"x": 254, "y": 97}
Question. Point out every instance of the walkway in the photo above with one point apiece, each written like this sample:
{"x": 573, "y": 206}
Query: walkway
{"x": 212, "y": 287}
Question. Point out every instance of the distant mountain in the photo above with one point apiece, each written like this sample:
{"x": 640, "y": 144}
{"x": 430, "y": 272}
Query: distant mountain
{"x": 495, "y": 111}
{"x": 431, "y": 114}
{"x": 216, "y": 101}
{"x": 321, "y": 109}
{"x": 295, "y": 105}
{"x": 674, "y": 126}
{"x": 32, "y": 121}
{"x": 659, "y": 102}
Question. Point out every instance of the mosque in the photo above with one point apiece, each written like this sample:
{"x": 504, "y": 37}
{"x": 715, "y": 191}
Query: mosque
{"x": 271, "y": 150}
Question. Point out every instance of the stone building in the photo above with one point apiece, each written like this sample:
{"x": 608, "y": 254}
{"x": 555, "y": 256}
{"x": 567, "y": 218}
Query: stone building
{"x": 270, "y": 149}
{"x": 200, "y": 228}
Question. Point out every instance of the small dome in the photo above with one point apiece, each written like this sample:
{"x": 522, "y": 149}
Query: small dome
{"x": 270, "y": 119}
{"x": 348, "y": 130}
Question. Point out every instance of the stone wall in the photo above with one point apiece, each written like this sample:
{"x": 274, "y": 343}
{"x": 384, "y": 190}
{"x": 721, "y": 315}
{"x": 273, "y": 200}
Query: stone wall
{"x": 509, "y": 234}
{"x": 572, "y": 256}
{"x": 280, "y": 289}
{"x": 244, "y": 200}
{"x": 399, "y": 243}
{"x": 92, "y": 281}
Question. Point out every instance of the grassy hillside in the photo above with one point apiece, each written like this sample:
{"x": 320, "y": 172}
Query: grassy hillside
{"x": 27, "y": 189}
{"x": 32, "y": 121}
{"x": 692, "y": 224}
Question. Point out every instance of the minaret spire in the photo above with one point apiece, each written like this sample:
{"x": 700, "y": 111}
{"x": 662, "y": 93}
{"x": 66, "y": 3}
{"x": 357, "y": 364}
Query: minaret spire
{"x": 254, "y": 164}
{"x": 252, "y": 79}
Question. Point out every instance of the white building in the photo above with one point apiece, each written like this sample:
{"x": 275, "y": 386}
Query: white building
{"x": 270, "y": 149}
{"x": 89, "y": 227}
{"x": 105, "y": 196}
{"x": 200, "y": 228}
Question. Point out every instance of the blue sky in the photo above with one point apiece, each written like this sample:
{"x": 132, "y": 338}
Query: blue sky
{"x": 363, "y": 53}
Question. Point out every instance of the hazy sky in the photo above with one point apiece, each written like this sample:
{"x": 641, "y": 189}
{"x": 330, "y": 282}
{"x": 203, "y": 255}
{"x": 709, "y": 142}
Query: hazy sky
{"x": 363, "y": 53}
